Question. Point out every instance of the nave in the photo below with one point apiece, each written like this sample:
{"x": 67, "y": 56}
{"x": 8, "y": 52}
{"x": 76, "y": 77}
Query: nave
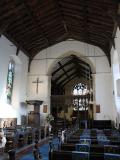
{"x": 81, "y": 144}
{"x": 60, "y": 79}
{"x": 101, "y": 142}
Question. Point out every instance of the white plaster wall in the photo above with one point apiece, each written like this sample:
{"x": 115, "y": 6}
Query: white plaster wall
{"x": 44, "y": 62}
{"x": 104, "y": 95}
{"x": 7, "y": 51}
{"x": 115, "y": 57}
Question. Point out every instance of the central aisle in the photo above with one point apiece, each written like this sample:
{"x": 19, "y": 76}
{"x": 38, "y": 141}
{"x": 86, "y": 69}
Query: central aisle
{"x": 44, "y": 150}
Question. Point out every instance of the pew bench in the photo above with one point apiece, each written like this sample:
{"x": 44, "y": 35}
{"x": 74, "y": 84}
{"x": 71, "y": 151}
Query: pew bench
{"x": 67, "y": 155}
{"x": 93, "y": 148}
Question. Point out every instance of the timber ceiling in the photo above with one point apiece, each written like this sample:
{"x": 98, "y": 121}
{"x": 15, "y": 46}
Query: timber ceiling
{"x": 33, "y": 25}
{"x": 68, "y": 69}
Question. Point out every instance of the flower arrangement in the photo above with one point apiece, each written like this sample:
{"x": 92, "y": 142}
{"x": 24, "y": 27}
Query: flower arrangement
{"x": 49, "y": 118}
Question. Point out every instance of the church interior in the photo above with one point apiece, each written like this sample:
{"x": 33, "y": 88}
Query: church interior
{"x": 60, "y": 80}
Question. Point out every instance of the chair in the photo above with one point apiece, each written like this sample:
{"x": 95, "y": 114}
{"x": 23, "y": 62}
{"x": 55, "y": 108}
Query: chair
{"x": 109, "y": 156}
{"x": 82, "y": 147}
{"x": 80, "y": 155}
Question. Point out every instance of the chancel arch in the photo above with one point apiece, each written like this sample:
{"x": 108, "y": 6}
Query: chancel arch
{"x": 69, "y": 73}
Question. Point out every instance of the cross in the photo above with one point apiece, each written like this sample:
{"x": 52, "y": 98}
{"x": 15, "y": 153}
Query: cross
{"x": 37, "y": 82}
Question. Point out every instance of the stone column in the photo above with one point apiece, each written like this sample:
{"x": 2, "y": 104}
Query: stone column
{"x": 94, "y": 99}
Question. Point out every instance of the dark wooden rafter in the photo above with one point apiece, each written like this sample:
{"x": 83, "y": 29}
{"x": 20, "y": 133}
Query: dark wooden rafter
{"x": 8, "y": 15}
{"x": 66, "y": 78}
{"x": 61, "y": 75}
{"x": 61, "y": 15}
{"x": 85, "y": 19}
{"x": 36, "y": 22}
{"x": 3, "y": 28}
{"x": 77, "y": 74}
{"x": 67, "y": 81}
{"x": 63, "y": 70}
{"x": 17, "y": 51}
{"x": 68, "y": 63}
{"x": 19, "y": 45}
{"x": 71, "y": 66}
{"x": 34, "y": 25}
{"x": 115, "y": 17}
{"x": 29, "y": 64}
{"x": 79, "y": 69}
{"x": 7, "y": 23}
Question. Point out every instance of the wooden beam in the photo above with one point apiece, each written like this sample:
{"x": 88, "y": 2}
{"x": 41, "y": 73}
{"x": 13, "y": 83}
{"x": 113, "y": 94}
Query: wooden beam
{"x": 80, "y": 69}
{"x": 3, "y": 28}
{"x": 115, "y": 17}
{"x": 62, "y": 67}
{"x": 69, "y": 80}
{"x": 86, "y": 33}
{"x": 35, "y": 22}
{"x": 74, "y": 73}
{"x": 69, "y": 62}
{"x": 61, "y": 15}
{"x": 95, "y": 4}
{"x": 17, "y": 51}
{"x": 70, "y": 75}
{"x": 61, "y": 75}
{"x": 10, "y": 12}
{"x": 29, "y": 64}
{"x": 18, "y": 45}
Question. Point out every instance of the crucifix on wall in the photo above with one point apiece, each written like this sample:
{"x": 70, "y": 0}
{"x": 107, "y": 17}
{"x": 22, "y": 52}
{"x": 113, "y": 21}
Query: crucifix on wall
{"x": 37, "y": 83}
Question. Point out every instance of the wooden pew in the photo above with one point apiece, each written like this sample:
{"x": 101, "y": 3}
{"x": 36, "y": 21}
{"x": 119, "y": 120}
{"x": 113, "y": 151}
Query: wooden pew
{"x": 96, "y": 156}
{"x": 67, "y": 155}
{"x": 61, "y": 155}
{"x": 93, "y": 148}
{"x": 93, "y": 141}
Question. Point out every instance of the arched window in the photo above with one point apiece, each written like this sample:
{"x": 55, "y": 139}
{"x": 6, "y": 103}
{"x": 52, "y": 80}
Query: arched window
{"x": 10, "y": 80}
{"x": 80, "y": 89}
{"x": 80, "y": 102}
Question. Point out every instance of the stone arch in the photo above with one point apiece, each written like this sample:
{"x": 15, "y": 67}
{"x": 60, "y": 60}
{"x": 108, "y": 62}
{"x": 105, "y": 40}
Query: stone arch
{"x": 67, "y": 54}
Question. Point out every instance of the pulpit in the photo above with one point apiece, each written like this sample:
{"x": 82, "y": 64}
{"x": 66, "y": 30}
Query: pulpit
{"x": 34, "y": 116}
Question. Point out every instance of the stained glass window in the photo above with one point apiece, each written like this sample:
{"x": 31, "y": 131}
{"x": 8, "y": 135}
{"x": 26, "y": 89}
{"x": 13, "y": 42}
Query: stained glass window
{"x": 10, "y": 80}
{"x": 81, "y": 103}
{"x": 80, "y": 89}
